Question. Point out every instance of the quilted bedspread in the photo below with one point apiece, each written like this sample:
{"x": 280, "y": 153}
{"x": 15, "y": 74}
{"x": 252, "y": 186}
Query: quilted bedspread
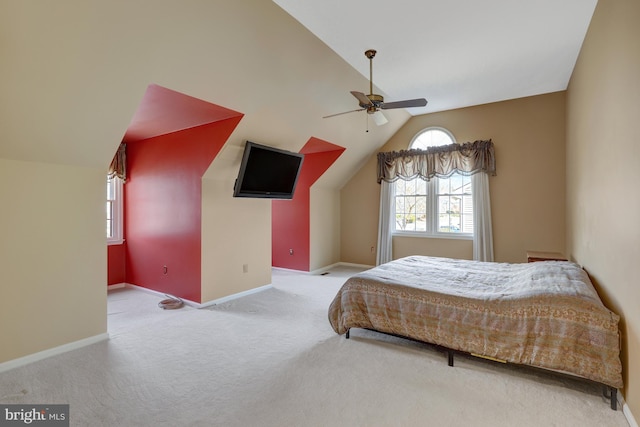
{"x": 542, "y": 314}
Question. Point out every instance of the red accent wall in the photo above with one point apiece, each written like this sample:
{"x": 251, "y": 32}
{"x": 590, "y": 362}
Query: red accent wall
{"x": 163, "y": 111}
{"x": 116, "y": 255}
{"x": 163, "y": 201}
{"x": 116, "y": 264}
{"x": 290, "y": 219}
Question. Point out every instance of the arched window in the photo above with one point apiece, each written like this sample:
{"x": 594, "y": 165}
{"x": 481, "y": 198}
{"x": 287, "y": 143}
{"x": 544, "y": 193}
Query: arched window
{"x": 441, "y": 207}
{"x": 432, "y": 137}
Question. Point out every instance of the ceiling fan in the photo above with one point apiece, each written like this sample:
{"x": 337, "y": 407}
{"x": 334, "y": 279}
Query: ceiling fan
{"x": 373, "y": 102}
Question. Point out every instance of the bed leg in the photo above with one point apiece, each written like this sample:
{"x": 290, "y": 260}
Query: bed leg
{"x": 450, "y": 354}
{"x": 614, "y": 398}
{"x": 611, "y": 393}
{"x": 347, "y": 334}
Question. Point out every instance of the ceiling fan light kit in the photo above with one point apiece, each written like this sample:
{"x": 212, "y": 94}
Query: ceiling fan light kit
{"x": 373, "y": 103}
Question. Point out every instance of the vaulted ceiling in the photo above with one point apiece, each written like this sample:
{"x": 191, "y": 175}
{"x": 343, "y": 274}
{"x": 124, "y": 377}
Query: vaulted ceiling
{"x": 75, "y": 74}
{"x": 454, "y": 53}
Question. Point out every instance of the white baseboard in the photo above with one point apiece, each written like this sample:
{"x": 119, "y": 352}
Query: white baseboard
{"x": 234, "y": 296}
{"x": 323, "y": 269}
{"x": 290, "y": 270}
{"x": 628, "y": 415}
{"x": 340, "y": 264}
{"x": 15, "y": 363}
{"x": 116, "y": 286}
{"x": 328, "y": 267}
{"x": 204, "y": 304}
{"x": 626, "y": 411}
{"x": 162, "y": 295}
{"x": 243, "y": 293}
{"x": 350, "y": 264}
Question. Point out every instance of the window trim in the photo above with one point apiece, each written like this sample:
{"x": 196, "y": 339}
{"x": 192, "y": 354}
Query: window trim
{"x": 436, "y": 235}
{"x": 432, "y": 222}
{"x": 430, "y": 128}
{"x": 117, "y": 237}
{"x": 433, "y": 219}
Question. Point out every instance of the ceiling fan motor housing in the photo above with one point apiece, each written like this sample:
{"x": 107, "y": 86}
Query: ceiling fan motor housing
{"x": 376, "y": 100}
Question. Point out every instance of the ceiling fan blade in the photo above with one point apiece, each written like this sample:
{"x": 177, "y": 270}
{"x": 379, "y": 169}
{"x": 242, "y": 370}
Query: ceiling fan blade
{"x": 362, "y": 98}
{"x": 379, "y": 118}
{"x": 419, "y": 102}
{"x": 346, "y": 112}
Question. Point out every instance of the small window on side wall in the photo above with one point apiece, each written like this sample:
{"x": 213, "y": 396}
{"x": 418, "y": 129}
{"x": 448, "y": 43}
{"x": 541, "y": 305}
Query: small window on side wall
{"x": 441, "y": 207}
{"x": 114, "y": 211}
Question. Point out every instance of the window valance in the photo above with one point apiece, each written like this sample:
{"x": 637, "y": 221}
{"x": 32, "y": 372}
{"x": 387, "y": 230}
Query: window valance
{"x": 441, "y": 162}
{"x": 118, "y": 166}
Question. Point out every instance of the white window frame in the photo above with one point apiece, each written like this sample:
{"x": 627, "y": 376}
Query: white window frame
{"x": 431, "y": 202}
{"x": 117, "y": 214}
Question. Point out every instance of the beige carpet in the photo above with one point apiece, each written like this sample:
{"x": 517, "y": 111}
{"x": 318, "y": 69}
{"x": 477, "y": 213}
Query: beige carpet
{"x": 272, "y": 359}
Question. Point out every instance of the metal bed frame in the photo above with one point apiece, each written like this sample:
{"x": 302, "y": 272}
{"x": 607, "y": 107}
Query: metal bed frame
{"x": 608, "y": 392}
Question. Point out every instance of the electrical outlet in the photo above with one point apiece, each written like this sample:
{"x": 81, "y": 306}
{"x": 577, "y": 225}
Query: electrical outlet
{"x": 245, "y": 268}
{"x": 372, "y": 248}
{"x": 290, "y": 251}
{"x": 164, "y": 270}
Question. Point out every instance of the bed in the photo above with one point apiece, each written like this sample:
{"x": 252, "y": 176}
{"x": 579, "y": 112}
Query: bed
{"x": 542, "y": 314}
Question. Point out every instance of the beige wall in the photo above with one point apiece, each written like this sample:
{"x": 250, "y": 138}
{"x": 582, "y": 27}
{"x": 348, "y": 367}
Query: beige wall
{"x": 450, "y": 248}
{"x": 603, "y": 170}
{"x": 69, "y": 93}
{"x": 52, "y": 256}
{"x": 527, "y": 195}
{"x": 235, "y": 232}
{"x": 324, "y": 223}
{"x": 68, "y": 107}
{"x": 359, "y": 205}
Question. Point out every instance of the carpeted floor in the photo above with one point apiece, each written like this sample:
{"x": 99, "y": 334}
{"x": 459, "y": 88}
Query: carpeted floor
{"x": 272, "y": 359}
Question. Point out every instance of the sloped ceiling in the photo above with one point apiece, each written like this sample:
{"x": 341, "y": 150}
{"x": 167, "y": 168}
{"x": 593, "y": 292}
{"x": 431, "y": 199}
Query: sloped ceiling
{"x": 74, "y": 73}
{"x": 454, "y": 53}
{"x": 162, "y": 111}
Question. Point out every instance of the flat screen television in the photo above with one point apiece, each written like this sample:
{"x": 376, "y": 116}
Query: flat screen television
{"x": 267, "y": 172}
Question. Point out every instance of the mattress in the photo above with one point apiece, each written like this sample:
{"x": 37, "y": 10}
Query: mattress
{"x": 542, "y": 314}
